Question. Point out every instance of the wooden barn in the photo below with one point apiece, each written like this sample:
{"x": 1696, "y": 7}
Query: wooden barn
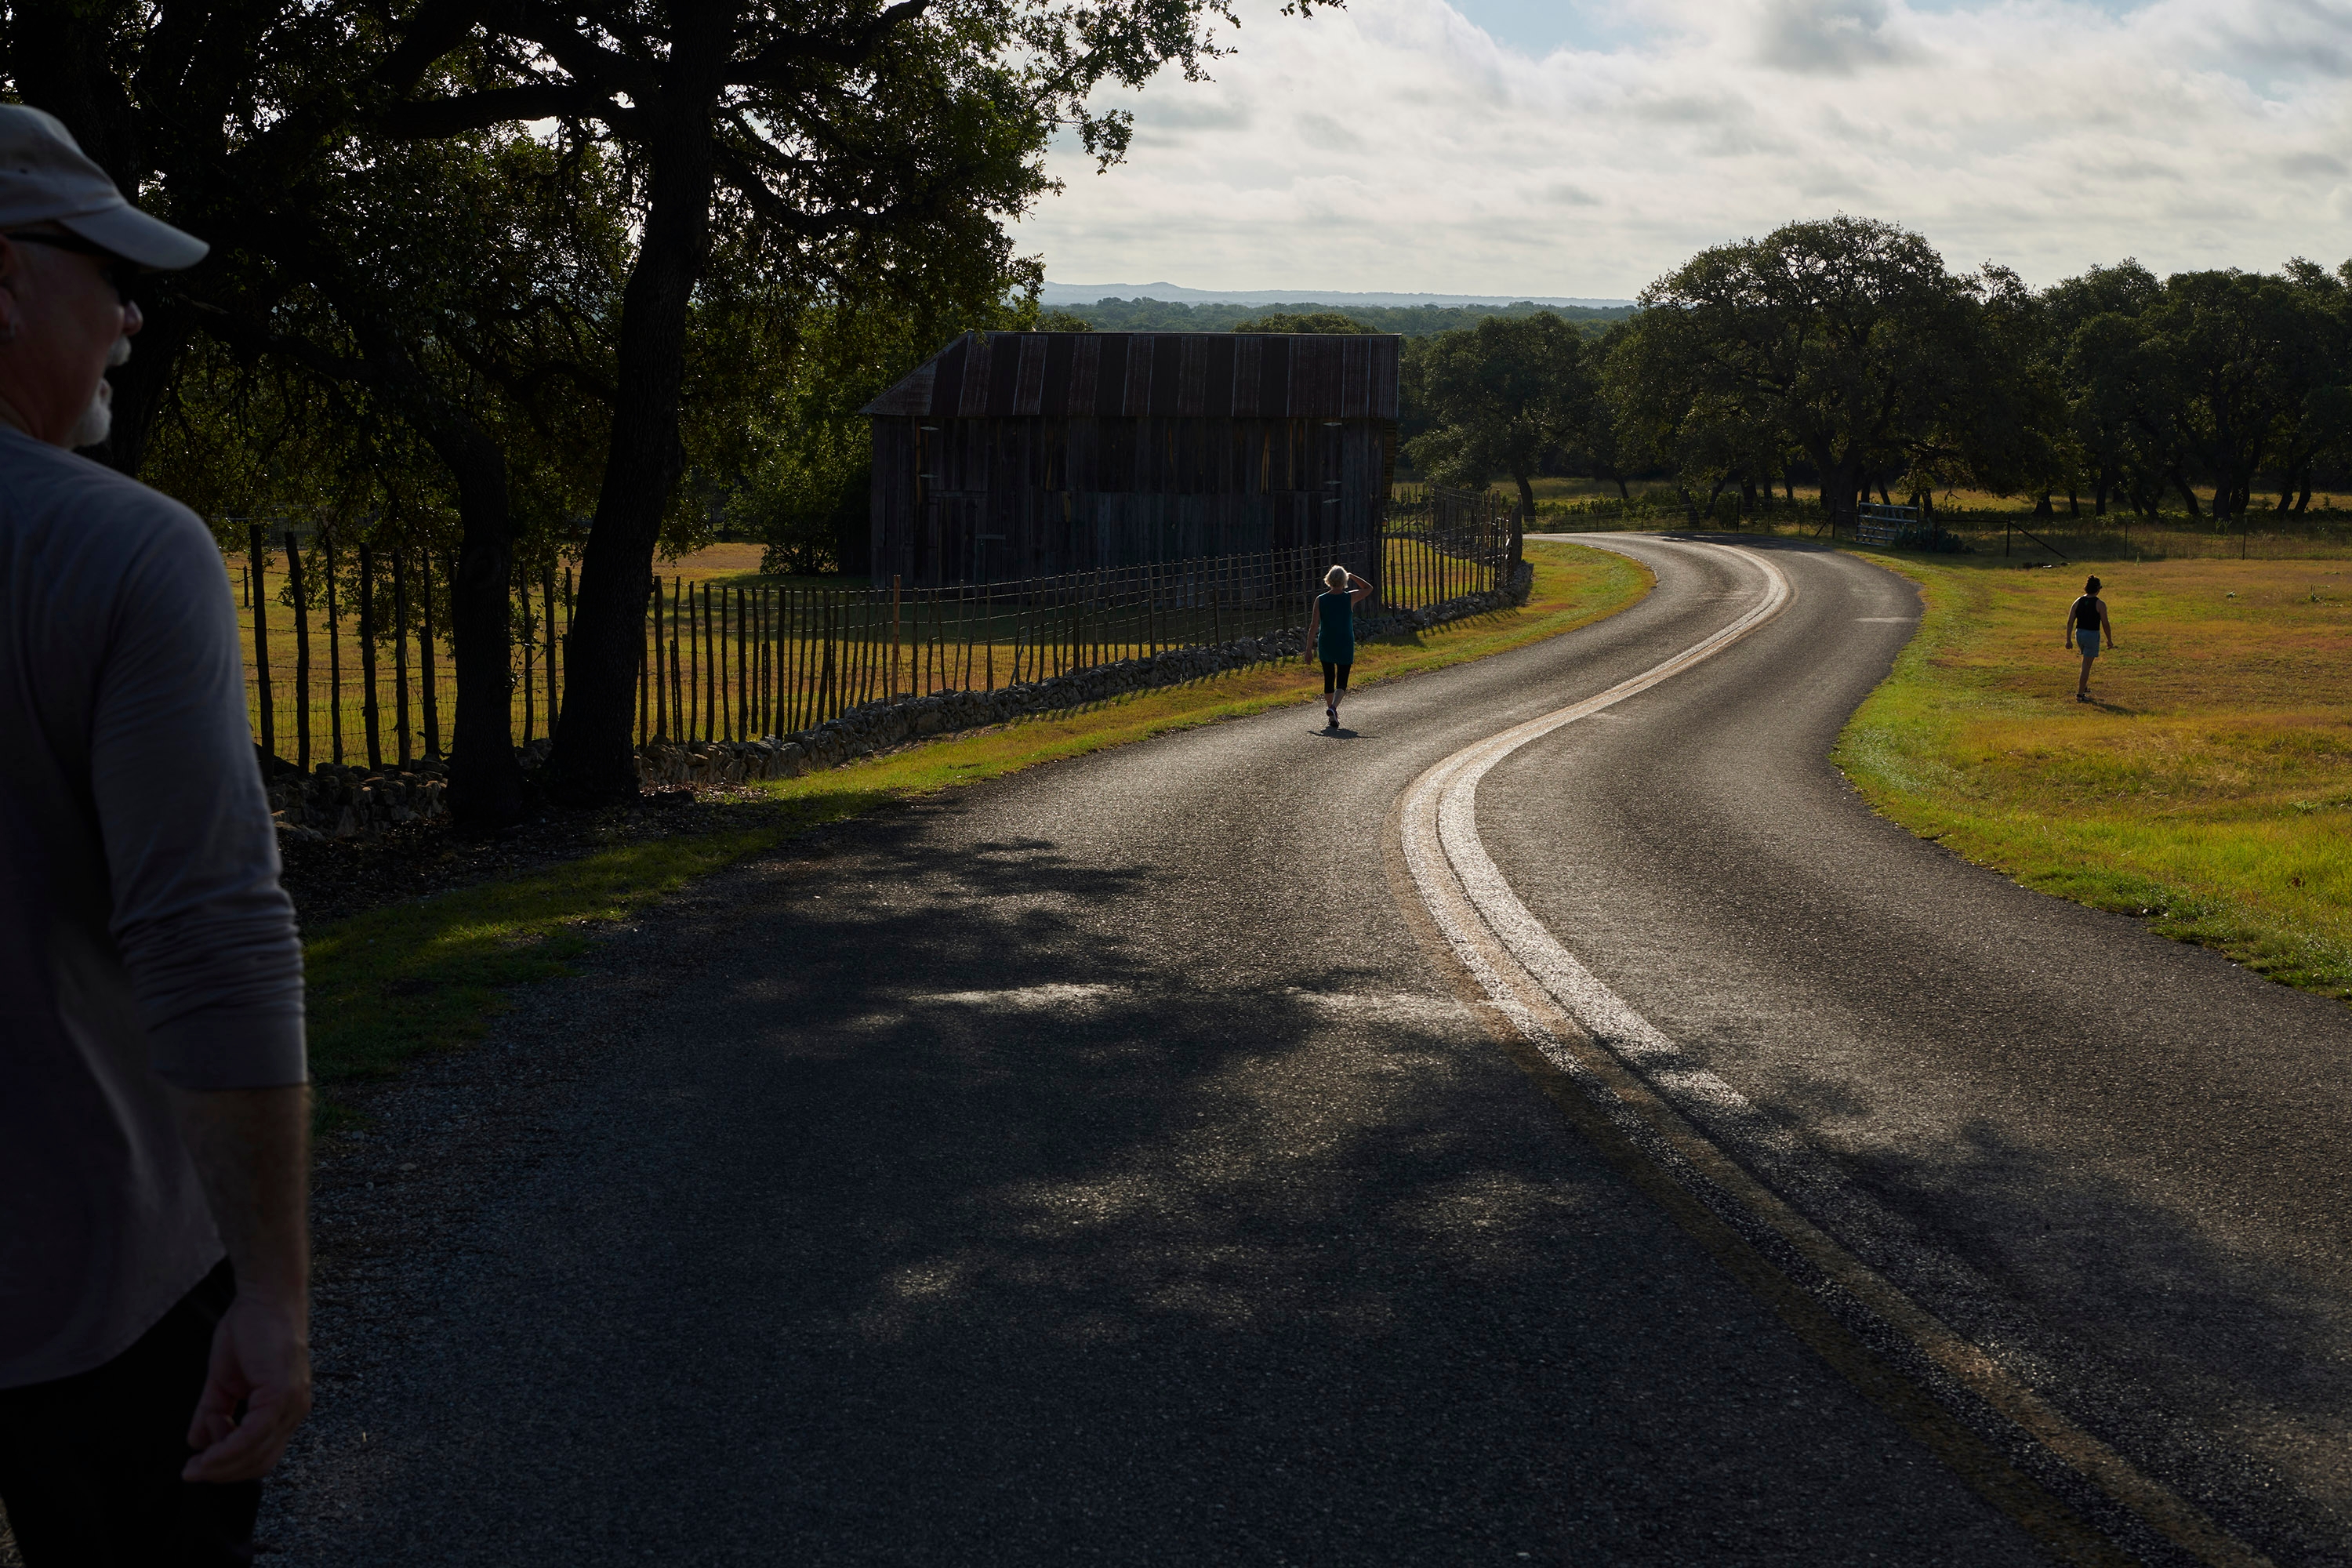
{"x": 1012, "y": 455}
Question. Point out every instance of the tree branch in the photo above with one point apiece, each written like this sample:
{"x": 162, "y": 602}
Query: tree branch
{"x": 502, "y": 106}
{"x": 434, "y": 29}
{"x": 826, "y": 46}
{"x": 584, "y": 59}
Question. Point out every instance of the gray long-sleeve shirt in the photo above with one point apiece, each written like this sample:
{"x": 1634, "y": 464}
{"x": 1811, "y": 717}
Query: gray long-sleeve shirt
{"x": 144, "y": 938}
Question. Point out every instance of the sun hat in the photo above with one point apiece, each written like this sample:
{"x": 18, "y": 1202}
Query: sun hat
{"x": 45, "y": 177}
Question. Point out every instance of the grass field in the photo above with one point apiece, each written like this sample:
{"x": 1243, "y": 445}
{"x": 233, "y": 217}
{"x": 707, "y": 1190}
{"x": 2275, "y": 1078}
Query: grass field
{"x": 408, "y": 978}
{"x": 2208, "y": 789}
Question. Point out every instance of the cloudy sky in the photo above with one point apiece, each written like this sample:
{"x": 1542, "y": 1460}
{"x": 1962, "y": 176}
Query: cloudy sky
{"x": 1582, "y": 147}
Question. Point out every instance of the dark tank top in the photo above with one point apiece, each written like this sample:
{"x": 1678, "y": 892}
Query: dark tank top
{"x": 2086, "y": 613}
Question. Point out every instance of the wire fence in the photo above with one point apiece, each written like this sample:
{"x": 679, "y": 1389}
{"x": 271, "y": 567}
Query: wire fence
{"x": 347, "y": 658}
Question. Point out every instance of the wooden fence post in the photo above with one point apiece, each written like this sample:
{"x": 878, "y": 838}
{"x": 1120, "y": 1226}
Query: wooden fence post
{"x": 302, "y": 652}
{"x": 826, "y": 610}
{"x": 334, "y": 652}
{"x": 428, "y": 683}
{"x": 790, "y": 659}
{"x": 529, "y": 643}
{"x": 368, "y": 713}
{"x": 675, "y": 685}
{"x": 257, "y": 555}
{"x": 555, "y": 642}
{"x": 894, "y": 636}
{"x": 710, "y": 671}
{"x": 400, "y": 651}
{"x": 677, "y": 715}
{"x": 743, "y": 663}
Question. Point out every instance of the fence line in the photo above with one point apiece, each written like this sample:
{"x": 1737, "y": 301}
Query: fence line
{"x": 721, "y": 661}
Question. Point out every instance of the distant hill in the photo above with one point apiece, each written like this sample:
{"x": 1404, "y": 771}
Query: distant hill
{"x": 1175, "y": 294}
{"x": 1148, "y": 315}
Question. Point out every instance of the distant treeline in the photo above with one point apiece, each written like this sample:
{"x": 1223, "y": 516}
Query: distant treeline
{"x": 1846, "y": 354}
{"x": 1412, "y": 321}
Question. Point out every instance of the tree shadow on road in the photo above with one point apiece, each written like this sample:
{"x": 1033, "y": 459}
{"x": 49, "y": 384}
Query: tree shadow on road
{"x": 995, "y": 1206}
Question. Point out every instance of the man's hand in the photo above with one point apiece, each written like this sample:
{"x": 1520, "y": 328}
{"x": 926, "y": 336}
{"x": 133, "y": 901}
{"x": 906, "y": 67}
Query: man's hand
{"x": 261, "y": 1358}
{"x": 252, "y": 1149}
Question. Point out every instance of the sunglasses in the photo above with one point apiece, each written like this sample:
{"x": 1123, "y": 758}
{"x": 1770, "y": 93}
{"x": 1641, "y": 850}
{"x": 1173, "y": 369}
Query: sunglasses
{"x": 117, "y": 271}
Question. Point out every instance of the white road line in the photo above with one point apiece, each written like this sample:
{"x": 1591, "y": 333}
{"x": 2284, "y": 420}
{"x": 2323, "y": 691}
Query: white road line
{"x": 1540, "y": 986}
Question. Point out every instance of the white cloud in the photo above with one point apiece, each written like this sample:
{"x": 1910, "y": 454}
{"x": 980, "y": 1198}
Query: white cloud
{"x": 1395, "y": 146}
{"x": 1831, "y": 38}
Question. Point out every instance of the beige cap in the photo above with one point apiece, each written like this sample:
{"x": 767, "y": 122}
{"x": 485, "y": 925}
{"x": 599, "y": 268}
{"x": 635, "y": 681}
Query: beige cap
{"x": 46, "y": 178}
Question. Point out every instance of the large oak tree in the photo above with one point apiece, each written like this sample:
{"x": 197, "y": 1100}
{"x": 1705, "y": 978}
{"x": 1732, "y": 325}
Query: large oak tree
{"x": 1844, "y": 338}
{"x": 814, "y": 130}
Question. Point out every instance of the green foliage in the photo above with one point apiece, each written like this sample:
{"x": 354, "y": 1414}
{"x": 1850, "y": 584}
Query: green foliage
{"x": 1845, "y": 340}
{"x": 782, "y": 455}
{"x": 1846, "y": 346}
{"x": 1500, "y": 398}
{"x": 1316, "y": 322}
{"x": 316, "y": 388}
{"x": 1143, "y": 315}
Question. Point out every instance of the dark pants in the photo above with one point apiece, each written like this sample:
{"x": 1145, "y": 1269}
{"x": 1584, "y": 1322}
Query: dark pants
{"x": 90, "y": 1465}
{"x": 1335, "y": 677}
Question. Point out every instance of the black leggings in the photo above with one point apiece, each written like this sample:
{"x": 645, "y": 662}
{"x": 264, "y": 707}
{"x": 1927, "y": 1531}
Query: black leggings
{"x": 1335, "y": 677}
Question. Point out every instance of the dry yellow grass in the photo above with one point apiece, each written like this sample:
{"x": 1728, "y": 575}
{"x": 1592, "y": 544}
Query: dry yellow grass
{"x": 2209, "y": 787}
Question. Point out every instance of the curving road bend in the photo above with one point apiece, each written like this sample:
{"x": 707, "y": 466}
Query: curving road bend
{"x": 1112, "y": 1162}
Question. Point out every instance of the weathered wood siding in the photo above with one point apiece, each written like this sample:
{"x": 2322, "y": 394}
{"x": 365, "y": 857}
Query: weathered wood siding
{"x": 1025, "y": 455}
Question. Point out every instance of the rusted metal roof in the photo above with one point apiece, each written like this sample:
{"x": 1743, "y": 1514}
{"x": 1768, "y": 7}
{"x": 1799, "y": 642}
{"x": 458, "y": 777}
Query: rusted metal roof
{"x": 1216, "y": 375}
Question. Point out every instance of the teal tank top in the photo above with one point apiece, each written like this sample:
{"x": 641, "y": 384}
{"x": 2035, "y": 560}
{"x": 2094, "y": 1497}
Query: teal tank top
{"x": 1336, "y": 643}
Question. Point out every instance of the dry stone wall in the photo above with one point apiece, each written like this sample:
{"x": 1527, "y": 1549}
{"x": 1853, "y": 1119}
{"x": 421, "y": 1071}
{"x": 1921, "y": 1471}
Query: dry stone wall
{"x": 335, "y": 802}
{"x": 343, "y": 802}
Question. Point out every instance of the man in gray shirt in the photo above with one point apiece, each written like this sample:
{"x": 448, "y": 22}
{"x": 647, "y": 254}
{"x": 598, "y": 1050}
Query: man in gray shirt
{"x": 153, "y": 1115}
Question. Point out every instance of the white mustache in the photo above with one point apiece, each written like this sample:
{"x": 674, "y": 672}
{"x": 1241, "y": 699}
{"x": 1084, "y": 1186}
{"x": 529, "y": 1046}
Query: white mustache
{"x": 98, "y": 420}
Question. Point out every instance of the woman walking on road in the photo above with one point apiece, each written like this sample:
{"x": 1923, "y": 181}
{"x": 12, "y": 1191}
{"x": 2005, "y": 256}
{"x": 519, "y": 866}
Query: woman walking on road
{"x": 1331, "y": 634}
{"x": 2087, "y": 623}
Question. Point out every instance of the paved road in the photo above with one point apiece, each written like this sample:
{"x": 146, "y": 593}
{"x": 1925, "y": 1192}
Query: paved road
{"x": 1104, "y": 1165}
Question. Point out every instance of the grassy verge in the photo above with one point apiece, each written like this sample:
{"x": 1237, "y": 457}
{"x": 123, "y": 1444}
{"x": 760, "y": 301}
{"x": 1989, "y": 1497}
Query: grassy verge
{"x": 395, "y": 982}
{"x": 2209, "y": 789}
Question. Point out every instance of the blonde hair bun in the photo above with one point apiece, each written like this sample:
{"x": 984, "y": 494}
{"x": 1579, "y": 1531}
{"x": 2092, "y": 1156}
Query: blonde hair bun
{"x": 1336, "y": 578}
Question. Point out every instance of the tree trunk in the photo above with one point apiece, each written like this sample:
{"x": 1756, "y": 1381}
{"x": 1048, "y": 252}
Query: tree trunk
{"x": 2188, "y": 496}
{"x": 2074, "y": 502}
{"x": 2043, "y": 508}
{"x": 2303, "y": 501}
{"x": 1521, "y": 518}
{"x": 485, "y": 777}
{"x": 592, "y": 759}
{"x": 1837, "y": 493}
